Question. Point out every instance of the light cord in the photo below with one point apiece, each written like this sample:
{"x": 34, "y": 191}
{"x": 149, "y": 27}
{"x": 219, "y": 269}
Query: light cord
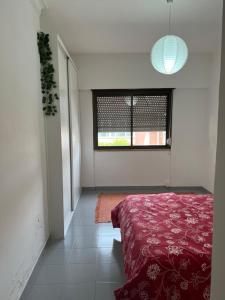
{"x": 170, "y": 18}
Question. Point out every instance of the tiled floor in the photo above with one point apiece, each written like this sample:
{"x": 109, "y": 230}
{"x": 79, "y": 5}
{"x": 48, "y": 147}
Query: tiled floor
{"x": 88, "y": 264}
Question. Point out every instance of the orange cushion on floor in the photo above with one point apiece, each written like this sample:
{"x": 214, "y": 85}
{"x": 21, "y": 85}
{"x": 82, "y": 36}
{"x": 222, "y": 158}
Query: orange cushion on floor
{"x": 106, "y": 202}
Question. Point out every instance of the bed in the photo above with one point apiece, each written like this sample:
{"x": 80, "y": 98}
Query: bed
{"x": 167, "y": 244}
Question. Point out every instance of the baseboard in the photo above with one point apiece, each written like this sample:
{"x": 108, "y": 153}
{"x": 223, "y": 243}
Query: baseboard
{"x": 32, "y": 269}
{"x": 130, "y": 188}
{"x": 150, "y": 189}
{"x": 87, "y": 189}
{"x": 189, "y": 188}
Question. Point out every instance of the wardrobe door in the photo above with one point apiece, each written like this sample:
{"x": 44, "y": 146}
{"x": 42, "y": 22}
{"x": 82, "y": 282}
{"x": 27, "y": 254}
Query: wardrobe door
{"x": 75, "y": 132}
{"x": 65, "y": 134}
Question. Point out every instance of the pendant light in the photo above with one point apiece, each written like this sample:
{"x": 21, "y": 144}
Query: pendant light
{"x": 170, "y": 53}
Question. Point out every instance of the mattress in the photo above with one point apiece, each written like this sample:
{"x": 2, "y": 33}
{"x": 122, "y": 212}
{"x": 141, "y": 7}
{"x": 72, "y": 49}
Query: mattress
{"x": 167, "y": 244}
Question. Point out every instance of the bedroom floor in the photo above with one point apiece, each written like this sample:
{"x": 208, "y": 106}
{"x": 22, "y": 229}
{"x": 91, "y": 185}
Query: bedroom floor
{"x": 88, "y": 264}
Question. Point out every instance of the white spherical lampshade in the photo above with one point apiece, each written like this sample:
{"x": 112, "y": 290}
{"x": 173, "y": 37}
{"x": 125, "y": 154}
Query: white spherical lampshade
{"x": 169, "y": 54}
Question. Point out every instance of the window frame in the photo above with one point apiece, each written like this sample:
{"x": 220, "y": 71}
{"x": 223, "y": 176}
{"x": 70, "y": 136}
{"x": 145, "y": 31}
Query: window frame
{"x": 133, "y": 92}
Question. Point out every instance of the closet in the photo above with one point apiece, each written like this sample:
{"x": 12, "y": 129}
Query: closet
{"x": 63, "y": 143}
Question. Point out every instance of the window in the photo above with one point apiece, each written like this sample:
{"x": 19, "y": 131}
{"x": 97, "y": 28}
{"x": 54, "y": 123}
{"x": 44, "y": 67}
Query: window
{"x": 132, "y": 119}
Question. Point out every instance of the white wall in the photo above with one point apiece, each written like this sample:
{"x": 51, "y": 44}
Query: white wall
{"x": 189, "y": 153}
{"x": 213, "y": 115}
{"x": 86, "y": 122}
{"x": 187, "y": 163}
{"x": 218, "y": 263}
{"x": 23, "y": 204}
{"x": 98, "y": 71}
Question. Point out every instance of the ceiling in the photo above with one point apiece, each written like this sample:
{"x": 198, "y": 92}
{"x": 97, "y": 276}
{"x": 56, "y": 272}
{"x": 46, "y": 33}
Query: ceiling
{"x": 132, "y": 26}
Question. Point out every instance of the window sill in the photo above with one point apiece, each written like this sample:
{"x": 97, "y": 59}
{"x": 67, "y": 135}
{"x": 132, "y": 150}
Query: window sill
{"x": 113, "y": 149}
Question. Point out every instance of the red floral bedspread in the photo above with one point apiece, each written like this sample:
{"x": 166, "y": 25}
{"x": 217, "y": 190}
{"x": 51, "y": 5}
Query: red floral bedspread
{"x": 167, "y": 242}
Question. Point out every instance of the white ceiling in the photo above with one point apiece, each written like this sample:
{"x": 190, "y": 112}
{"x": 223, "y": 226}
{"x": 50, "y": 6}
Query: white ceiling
{"x": 132, "y": 26}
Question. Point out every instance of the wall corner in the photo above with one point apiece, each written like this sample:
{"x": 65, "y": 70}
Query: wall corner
{"x": 39, "y": 5}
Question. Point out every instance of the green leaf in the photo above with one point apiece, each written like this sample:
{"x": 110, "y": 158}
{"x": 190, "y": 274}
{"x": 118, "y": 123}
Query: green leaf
{"x": 48, "y": 83}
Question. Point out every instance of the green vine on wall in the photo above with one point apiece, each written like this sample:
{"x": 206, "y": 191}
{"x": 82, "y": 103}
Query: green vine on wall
{"x": 48, "y": 84}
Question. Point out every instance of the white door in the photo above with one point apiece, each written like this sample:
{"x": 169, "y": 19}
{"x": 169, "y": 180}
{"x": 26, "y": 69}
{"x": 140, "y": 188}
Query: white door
{"x": 65, "y": 134}
{"x": 75, "y": 132}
